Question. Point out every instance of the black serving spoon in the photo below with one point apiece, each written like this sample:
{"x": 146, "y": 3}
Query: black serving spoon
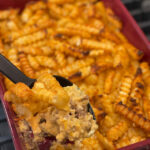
{"x": 15, "y": 75}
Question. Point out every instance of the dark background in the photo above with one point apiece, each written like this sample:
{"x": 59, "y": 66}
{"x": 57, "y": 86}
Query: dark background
{"x": 139, "y": 9}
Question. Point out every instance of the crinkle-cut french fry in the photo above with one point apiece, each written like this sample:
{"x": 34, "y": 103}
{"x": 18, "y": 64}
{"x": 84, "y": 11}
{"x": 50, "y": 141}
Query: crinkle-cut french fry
{"x": 135, "y": 131}
{"x": 49, "y": 81}
{"x": 39, "y": 17}
{"x": 113, "y": 20}
{"x": 33, "y": 62}
{"x": 91, "y": 79}
{"x": 46, "y": 61}
{"x": 107, "y": 123}
{"x": 25, "y": 66}
{"x": 20, "y": 92}
{"x": 91, "y": 143}
{"x": 71, "y": 59}
{"x": 139, "y": 120}
{"x": 83, "y": 73}
{"x": 96, "y": 23}
{"x": 60, "y": 1}
{"x": 117, "y": 78}
{"x": 146, "y": 72}
{"x": 108, "y": 145}
{"x": 8, "y": 83}
{"x": 8, "y": 14}
{"x": 60, "y": 58}
{"x": 109, "y": 81}
{"x": 100, "y": 83}
{"x": 67, "y": 49}
{"x": 117, "y": 131}
{"x": 110, "y": 36}
{"x": 91, "y": 91}
{"x": 42, "y": 71}
{"x": 146, "y": 107}
{"x": 40, "y": 43}
{"x": 123, "y": 142}
{"x": 85, "y": 28}
{"x": 72, "y": 32}
{"x": 136, "y": 139}
{"x": 12, "y": 55}
{"x": 26, "y": 14}
{"x": 8, "y": 26}
{"x": 121, "y": 57}
{"x": 125, "y": 89}
{"x": 12, "y": 25}
{"x": 31, "y": 38}
{"x": 91, "y": 44}
{"x": 95, "y": 53}
{"x": 44, "y": 50}
{"x": 27, "y": 30}
{"x": 136, "y": 94}
{"x": 71, "y": 68}
{"x": 30, "y": 9}
{"x": 57, "y": 12}
{"x": 133, "y": 51}
{"x": 45, "y": 95}
{"x": 106, "y": 103}
{"x": 72, "y": 10}
{"x": 101, "y": 12}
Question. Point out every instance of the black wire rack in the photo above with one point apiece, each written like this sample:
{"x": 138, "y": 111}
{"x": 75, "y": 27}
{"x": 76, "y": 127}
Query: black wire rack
{"x": 139, "y": 9}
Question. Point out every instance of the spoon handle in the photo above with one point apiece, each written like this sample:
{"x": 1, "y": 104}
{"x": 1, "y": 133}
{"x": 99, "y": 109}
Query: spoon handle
{"x": 13, "y": 73}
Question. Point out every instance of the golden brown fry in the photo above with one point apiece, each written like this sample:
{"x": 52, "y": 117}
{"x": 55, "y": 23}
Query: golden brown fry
{"x": 33, "y": 62}
{"x": 125, "y": 88}
{"x": 12, "y": 55}
{"x": 137, "y": 92}
{"x": 25, "y": 66}
{"x": 67, "y": 49}
{"x": 106, "y": 103}
{"x": 106, "y": 144}
{"x": 47, "y": 96}
{"x": 92, "y": 143}
{"x": 72, "y": 32}
{"x": 60, "y": 1}
{"x": 27, "y": 30}
{"x": 61, "y": 59}
{"x": 139, "y": 120}
{"x": 46, "y": 61}
{"x": 92, "y": 44}
{"x": 31, "y": 38}
{"x": 75, "y": 66}
{"x": 117, "y": 131}
{"x": 109, "y": 82}
{"x": 146, "y": 72}
{"x": 85, "y": 28}
{"x": 31, "y": 50}
{"x": 133, "y": 51}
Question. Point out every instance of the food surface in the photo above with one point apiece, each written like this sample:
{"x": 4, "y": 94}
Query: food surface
{"x": 42, "y": 109}
{"x": 81, "y": 40}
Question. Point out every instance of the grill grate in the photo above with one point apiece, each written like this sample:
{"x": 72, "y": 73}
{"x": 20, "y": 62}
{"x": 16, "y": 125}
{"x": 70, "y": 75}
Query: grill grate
{"x": 5, "y": 138}
{"x": 139, "y": 9}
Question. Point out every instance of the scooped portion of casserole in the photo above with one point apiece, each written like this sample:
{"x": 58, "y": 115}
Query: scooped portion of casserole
{"x": 52, "y": 111}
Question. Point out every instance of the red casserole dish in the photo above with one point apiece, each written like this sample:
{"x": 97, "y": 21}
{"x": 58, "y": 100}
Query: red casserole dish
{"x": 130, "y": 29}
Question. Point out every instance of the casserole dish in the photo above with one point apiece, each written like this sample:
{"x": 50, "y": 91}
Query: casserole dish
{"x": 130, "y": 30}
